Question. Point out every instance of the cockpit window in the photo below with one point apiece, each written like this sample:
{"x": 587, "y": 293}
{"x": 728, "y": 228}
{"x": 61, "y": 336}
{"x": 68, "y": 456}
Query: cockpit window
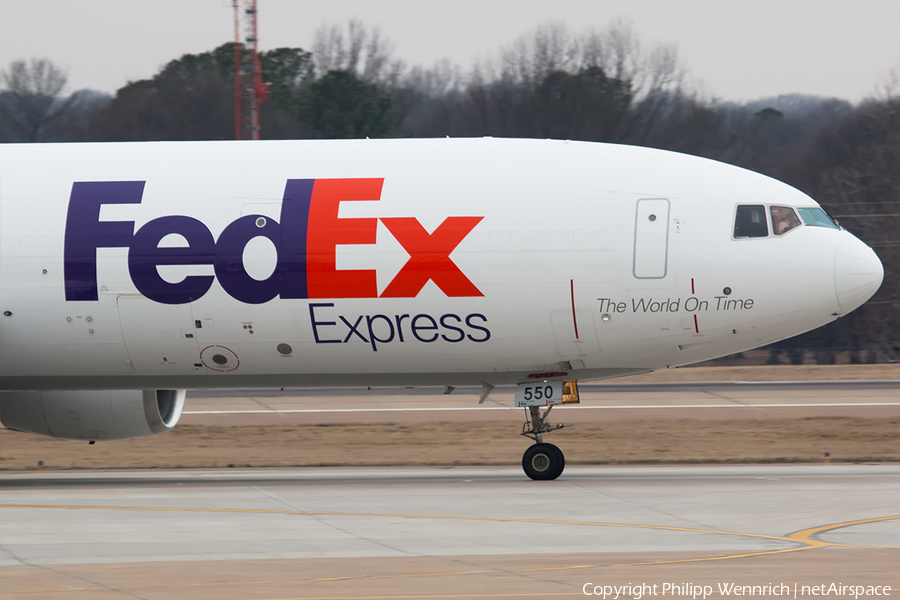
{"x": 816, "y": 217}
{"x": 783, "y": 219}
{"x": 750, "y": 221}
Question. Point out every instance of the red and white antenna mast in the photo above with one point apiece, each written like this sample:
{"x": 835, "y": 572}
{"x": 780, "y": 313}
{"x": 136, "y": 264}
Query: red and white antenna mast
{"x": 249, "y": 90}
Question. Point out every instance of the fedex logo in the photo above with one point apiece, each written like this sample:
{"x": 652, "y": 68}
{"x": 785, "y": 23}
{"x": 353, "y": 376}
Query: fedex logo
{"x": 305, "y": 238}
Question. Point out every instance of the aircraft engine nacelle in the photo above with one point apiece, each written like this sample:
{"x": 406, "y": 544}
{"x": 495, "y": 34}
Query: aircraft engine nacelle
{"x": 91, "y": 414}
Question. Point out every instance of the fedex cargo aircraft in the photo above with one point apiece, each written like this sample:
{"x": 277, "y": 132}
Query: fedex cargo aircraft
{"x": 131, "y": 272}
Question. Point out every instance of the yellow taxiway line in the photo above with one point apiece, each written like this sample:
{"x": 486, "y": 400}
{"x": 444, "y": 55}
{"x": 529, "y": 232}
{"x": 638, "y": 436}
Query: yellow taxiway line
{"x": 804, "y": 539}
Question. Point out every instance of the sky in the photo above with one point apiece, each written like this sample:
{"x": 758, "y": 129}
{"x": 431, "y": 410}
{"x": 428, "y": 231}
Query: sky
{"x": 732, "y": 49}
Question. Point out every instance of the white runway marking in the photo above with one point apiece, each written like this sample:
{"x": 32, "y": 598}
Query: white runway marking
{"x": 474, "y": 408}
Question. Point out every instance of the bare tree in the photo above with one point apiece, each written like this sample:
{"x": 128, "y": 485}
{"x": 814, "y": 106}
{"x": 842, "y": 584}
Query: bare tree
{"x": 364, "y": 53}
{"x": 550, "y": 48}
{"x": 531, "y": 58}
{"x": 622, "y": 58}
{"x": 78, "y": 122}
{"x": 328, "y": 49}
{"x": 441, "y": 79}
{"x": 888, "y": 88}
{"x": 32, "y": 97}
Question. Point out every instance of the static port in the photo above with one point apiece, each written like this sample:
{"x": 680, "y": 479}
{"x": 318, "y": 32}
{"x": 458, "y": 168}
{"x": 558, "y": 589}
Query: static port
{"x": 284, "y": 349}
{"x": 219, "y": 359}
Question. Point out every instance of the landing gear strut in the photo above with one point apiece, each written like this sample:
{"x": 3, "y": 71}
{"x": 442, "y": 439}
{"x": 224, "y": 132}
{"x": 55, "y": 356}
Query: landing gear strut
{"x": 541, "y": 461}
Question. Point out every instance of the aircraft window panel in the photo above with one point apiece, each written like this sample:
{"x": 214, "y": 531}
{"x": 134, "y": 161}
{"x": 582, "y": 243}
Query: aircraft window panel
{"x": 816, "y": 217}
{"x": 750, "y": 221}
{"x": 783, "y": 219}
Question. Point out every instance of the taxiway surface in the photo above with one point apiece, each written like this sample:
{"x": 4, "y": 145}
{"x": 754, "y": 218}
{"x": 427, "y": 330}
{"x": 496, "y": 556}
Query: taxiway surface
{"x": 443, "y": 532}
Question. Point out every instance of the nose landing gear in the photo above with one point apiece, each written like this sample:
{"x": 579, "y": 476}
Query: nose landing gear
{"x": 541, "y": 461}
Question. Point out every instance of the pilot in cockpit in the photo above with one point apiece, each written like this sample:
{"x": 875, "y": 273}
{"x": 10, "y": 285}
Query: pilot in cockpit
{"x": 783, "y": 219}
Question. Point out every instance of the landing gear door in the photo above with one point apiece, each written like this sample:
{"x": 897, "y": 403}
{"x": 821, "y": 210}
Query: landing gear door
{"x": 651, "y": 238}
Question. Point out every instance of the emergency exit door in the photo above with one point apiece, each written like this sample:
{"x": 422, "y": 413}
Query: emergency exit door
{"x": 651, "y": 238}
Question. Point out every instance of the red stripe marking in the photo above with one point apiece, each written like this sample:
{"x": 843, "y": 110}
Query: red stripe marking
{"x": 696, "y": 327}
{"x": 692, "y": 286}
{"x": 574, "y": 319}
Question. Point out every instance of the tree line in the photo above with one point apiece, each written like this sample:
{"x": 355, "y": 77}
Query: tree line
{"x": 599, "y": 86}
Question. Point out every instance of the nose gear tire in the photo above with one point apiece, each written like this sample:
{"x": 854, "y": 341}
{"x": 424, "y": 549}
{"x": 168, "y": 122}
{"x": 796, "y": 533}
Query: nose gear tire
{"x": 543, "y": 462}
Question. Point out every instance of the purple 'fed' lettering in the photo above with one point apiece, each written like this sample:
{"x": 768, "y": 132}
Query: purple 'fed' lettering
{"x": 297, "y": 247}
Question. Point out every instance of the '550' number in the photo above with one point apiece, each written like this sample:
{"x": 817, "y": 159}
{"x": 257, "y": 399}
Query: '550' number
{"x": 538, "y": 392}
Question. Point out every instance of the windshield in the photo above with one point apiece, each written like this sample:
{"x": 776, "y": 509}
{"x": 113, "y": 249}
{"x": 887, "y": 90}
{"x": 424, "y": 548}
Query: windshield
{"x": 816, "y": 217}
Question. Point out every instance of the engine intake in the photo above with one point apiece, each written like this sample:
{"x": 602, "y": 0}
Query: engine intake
{"x": 91, "y": 414}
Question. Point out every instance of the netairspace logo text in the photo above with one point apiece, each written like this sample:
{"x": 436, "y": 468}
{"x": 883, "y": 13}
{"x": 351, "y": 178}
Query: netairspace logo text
{"x": 638, "y": 591}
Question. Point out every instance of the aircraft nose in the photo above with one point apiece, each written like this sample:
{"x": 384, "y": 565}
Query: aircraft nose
{"x": 857, "y": 273}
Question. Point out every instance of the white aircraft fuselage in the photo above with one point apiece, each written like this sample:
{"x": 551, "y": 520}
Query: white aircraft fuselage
{"x": 396, "y": 262}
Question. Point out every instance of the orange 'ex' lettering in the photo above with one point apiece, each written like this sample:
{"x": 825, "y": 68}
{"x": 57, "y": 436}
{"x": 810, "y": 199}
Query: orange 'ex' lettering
{"x": 429, "y": 257}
